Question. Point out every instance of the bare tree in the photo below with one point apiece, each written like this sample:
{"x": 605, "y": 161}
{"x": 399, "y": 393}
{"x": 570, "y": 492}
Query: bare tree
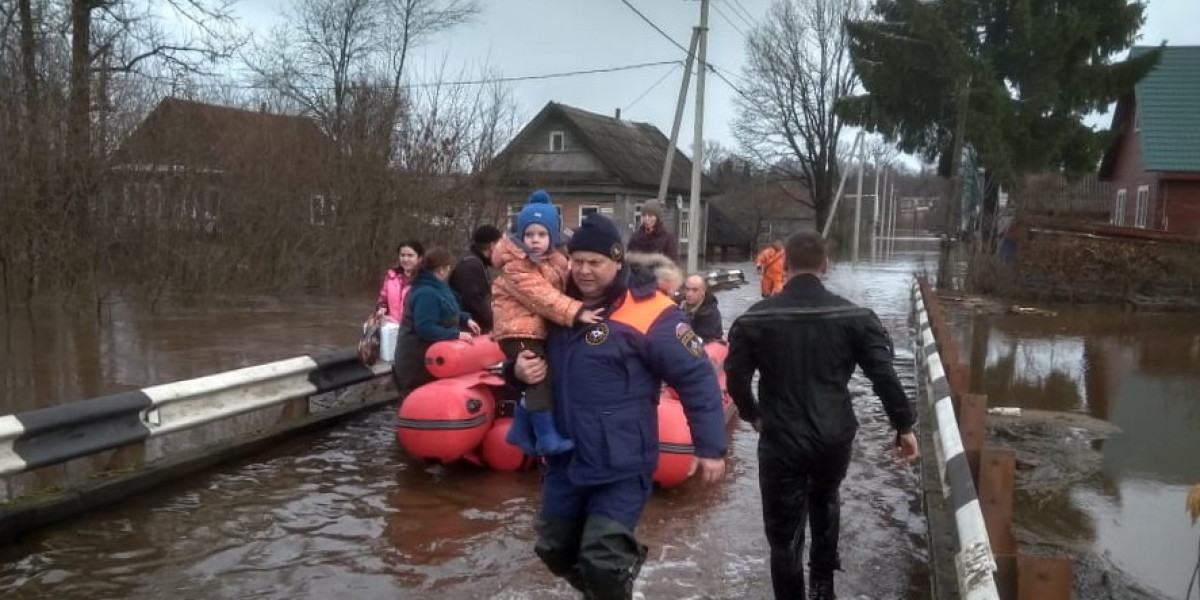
{"x": 880, "y": 153}
{"x": 331, "y": 50}
{"x": 418, "y": 21}
{"x": 798, "y": 69}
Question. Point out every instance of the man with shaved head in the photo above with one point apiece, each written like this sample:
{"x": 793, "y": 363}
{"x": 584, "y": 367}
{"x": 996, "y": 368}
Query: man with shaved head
{"x": 700, "y": 308}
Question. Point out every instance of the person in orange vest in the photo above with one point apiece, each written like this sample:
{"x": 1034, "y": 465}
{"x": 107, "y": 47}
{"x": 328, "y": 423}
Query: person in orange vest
{"x": 770, "y": 264}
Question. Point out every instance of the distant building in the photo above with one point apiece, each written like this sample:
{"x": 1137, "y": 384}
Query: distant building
{"x": 194, "y": 165}
{"x": 1154, "y": 161}
{"x": 595, "y": 163}
{"x": 726, "y": 240}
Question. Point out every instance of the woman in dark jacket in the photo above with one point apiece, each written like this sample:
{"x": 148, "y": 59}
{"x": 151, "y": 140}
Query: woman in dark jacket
{"x": 651, "y": 237}
{"x": 432, "y": 313}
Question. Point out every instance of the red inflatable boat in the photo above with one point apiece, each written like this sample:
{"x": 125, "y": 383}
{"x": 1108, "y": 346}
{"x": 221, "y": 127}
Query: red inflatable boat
{"x": 457, "y": 417}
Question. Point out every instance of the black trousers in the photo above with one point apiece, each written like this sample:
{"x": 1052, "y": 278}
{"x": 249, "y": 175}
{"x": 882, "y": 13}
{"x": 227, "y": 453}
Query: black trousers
{"x": 538, "y": 397}
{"x": 800, "y": 489}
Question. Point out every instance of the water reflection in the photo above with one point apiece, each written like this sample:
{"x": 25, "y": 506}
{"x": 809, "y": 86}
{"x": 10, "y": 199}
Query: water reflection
{"x": 50, "y": 355}
{"x": 1140, "y": 372}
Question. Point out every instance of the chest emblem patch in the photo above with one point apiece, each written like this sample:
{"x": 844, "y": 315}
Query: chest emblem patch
{"x": 597, "y": 334}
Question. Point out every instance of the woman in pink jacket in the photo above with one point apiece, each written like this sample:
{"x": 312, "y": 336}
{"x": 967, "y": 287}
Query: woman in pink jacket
{"x": 398, "y": 281}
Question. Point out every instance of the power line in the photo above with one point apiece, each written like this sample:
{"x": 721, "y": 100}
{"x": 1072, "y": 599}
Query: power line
{"x": 655, "y": 26}
{"x": 651, "y": 88}
{"x": 484, "y": 81}
{"x": 709, "y": 64}
{"x": 749, "y": 18}
{"x": 550, "y": 75}
{"x": 728, "y": 20}
{"x": 749, "y": 22}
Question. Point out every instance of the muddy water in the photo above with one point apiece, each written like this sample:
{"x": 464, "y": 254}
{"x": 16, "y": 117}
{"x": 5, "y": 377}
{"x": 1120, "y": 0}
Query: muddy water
{"x": 1141, "y": 372}
{"x": 52, "y": 356}
{"x": 342, "y": 513}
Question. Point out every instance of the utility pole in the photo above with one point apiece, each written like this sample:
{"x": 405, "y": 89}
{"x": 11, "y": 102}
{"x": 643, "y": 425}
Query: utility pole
{"x": 837, "y": 198}
{"x": 693, "y": 255}
{"x": 862, "y": 161}
{"x": 683, "y": 89}
{"x": 875, "y": 218}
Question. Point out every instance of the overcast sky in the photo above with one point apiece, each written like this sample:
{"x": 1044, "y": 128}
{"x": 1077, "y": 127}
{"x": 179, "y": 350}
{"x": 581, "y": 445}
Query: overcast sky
{"x": 534, "y": 37}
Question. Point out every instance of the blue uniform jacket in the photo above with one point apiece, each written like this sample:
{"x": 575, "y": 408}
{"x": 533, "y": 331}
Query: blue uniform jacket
{"x": 607, "y": 378}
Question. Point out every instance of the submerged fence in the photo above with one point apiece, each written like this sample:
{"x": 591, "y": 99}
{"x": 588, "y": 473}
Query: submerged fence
{"x": 977, "y": 479}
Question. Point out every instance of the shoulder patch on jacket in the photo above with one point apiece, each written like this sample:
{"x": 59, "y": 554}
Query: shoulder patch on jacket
{"x": 640, "y": 315}
{"x": 691, "y": 342}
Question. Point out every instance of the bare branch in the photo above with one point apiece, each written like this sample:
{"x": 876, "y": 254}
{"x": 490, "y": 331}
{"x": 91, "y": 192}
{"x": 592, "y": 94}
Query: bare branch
{"x": 797, "y": 70}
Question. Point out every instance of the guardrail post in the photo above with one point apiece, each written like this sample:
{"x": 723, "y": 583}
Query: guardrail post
{"x": 1041, "y": 577}
{"x": 997, "y": 471}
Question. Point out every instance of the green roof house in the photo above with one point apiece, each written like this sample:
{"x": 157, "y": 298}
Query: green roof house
{"x": 1154, "y": 161}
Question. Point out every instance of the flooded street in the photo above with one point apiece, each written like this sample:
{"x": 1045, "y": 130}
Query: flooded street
{"x": 342, "y": 513}
{"x": 1141, "y": 373}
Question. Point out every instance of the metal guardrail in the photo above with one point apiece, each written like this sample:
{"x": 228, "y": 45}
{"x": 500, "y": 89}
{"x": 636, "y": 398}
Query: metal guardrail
{"x": 977, "y": 478}
{"x": 975, "y": 562}
{"x": 59, "y": 461}
{"x": 49, "y": 436}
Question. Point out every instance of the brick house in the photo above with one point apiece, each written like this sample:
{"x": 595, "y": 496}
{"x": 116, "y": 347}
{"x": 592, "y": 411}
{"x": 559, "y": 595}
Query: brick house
{"x": 1154, "y": 161}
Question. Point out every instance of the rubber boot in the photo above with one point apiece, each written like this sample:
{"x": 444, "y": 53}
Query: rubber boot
{"x": 520, "y": 433}
{"x": 548, "y": 440}
{"x": 820, "y": 586}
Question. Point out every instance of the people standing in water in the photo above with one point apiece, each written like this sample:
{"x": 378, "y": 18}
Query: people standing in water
{"x": 527, "y": 297}
{"x": 805, "y": 343}
{"x": 607, "y": 380}
{"x": 432, "y": 313}
{"x": 398, "y": 280}
{"x": 770, "y": 265}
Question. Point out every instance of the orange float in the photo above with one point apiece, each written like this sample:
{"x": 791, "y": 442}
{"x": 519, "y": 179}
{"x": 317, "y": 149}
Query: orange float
{"x": 446, "y": 420}
{"x": 498, "y": 453}
{"x": 453, "y": 358}
{"x": 675, "y": 449}
{"x": 455, "y": 417}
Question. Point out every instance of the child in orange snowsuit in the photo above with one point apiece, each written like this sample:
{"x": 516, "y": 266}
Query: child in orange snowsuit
{"x": 770, "y": 264}
{"x": 526, "y": 297}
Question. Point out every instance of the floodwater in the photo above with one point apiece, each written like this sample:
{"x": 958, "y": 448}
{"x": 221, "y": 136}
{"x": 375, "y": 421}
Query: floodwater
{"x": 51, "y": 355}
{"x": 343, "y": 513}
{"x": 1141, "y": 372}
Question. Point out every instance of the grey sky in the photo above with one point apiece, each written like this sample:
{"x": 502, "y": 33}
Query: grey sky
{"x": 532, "y": 37}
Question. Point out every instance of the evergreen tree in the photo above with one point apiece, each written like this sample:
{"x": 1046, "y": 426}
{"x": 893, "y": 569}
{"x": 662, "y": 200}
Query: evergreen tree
{"x": 1017, "y": 76}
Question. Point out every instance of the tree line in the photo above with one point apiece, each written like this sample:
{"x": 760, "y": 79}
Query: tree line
{"x": 78, "y": 76}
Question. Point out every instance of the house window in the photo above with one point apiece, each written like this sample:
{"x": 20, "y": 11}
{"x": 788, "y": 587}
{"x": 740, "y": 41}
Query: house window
{"x": 514, "y": 209}
{"x": 637, "y": 216}
{"x": 587, "y": 209}
{"x": 685, "y": 224}
{"x": 1141, "y": 216}
{"x": 557, "y": 141}
{"x": 1118, "y": 216}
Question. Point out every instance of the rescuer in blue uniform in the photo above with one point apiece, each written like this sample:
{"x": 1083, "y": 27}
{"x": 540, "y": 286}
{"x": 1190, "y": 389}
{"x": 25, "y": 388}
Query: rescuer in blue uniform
{"x": 606, "y": 378}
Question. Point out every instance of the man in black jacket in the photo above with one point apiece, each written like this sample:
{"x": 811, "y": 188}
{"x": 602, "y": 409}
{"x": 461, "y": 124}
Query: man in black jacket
{"x": 700, "y": 308}
{"x": 805, "y": 343}
{"x": 471, "y": 278}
